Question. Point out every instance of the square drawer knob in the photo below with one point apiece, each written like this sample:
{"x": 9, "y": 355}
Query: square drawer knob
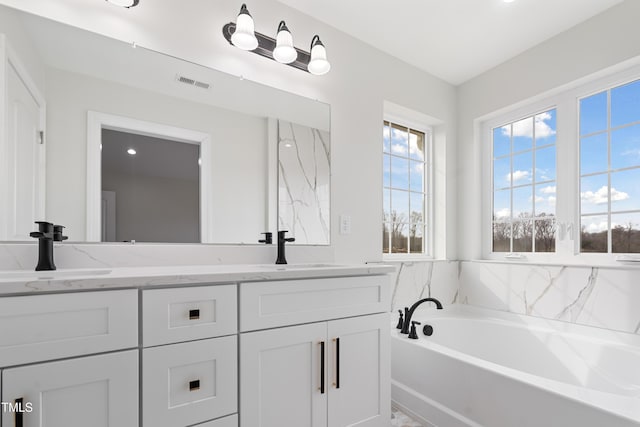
{"x": 194, "y": 385}
{"x": 194, "y": 314}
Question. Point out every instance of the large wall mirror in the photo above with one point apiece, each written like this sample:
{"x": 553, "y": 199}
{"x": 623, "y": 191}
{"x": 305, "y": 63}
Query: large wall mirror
{"x": 120, "y": 143}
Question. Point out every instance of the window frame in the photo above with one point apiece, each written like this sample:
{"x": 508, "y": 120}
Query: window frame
{"x": 566, "y": 101}
{"x": 428, "y": 238}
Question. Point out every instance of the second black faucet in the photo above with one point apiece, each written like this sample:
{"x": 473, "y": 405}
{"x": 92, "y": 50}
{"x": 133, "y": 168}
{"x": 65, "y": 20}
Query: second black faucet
{"x": 281, "y": 241}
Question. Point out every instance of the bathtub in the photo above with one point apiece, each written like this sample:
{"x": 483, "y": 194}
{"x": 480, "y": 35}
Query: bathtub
{"x": 494, "y": 369}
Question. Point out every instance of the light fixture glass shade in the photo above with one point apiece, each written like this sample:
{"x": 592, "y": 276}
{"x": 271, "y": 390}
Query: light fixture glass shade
{"x": 244, "y": 36}
{"x": 318, "y": 63}
{"x": 284, "y": 51}
{"x": 125, "y": 3}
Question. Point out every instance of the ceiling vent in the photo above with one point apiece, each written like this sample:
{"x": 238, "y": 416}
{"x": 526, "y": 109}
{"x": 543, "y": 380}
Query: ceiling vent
{"x": 192, "y": 82}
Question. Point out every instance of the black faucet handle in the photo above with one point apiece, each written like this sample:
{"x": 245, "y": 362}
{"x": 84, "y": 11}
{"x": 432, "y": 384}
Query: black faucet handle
{"x": 400, "y": 320}
{"x": 413, "y": 334}
{"x": 268, "y": 238}
{"x": 57, "y": 233}
{"x": 37, "y": 234}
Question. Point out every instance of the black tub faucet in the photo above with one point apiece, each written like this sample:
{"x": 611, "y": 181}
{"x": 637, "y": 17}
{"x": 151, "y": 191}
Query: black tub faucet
{"x": 268, "y": 238}
{"x": 281, "y": 241}
{"x": 47, "y": 234}
{"x": 408, "y": 312}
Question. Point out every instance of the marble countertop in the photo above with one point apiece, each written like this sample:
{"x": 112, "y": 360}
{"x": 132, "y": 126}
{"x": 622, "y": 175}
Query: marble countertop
{"x": 26, "y": 282}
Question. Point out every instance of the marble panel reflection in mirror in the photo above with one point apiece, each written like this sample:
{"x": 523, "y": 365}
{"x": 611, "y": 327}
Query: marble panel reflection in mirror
{"x": 78, "y": 71}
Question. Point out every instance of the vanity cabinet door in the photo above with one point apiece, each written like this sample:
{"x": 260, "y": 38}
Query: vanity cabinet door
{"x": 359, "y": 371}
{"x": 96, "y": 391}
{"x": 281, "y": 376}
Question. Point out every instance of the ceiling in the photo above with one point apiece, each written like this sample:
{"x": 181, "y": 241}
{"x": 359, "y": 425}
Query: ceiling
{"x": 455, "y": 40}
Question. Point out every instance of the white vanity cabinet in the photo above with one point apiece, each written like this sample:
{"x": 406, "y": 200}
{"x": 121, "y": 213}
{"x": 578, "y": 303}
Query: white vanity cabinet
{"x": 329, "y": 370}
{"x": 101, "y": 390}
{"x": 189, "y": 356}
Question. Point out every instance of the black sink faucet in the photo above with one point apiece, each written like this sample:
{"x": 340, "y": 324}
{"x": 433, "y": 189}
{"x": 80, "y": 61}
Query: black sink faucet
{"x": 281, "y": 241}
{"x": 408, "y": 312}
{"x": 47, "y": 234}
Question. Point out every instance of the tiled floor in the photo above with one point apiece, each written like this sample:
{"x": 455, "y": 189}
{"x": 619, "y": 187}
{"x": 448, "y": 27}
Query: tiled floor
{"x": 400, "y": 419}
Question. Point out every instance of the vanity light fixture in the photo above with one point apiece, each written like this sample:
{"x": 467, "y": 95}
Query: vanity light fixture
{"x": 281, "y": 49}
{"x": 125, "y": 3}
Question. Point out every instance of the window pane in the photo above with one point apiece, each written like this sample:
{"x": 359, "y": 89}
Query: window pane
{"x": 417, "y": 207}
{"x": 386, "y": 170}
{"x": 593, "y": 234}
{"x": 502, "y": 205}
{"x": 501, "y": 237}
{"x": 399, "y": 140}
{"x": 399, "y": 172}
{"x": 625, "y": 233}
{"x": 546, "y": 164}
{"x": 385, "y": 238}
{"x": 593, "y": 113}
{"x": 386, "y": 146}
{"x": 416, "y": 175}
{"x": 415, "y": 238}
{"x": 523, "y": 236}
{"x": 523, "y": 202}
{"x": 523, "y": 134}
{"x": 546, "y": 128}
{"x": 594, "y": 194}
{"x": 502, "y": 173}
{"x": 522, "y": 168}
{"x": 625, "y": 104}
{"x": 386, "y": 204}
{"x": 593, "y": 154}
{"x": 501, "y": 141}
{"x": 625, "y": 190}
{"x": 625, "y": 147}
{"x": 416, "y": 145}
{"x": 545, "y": 232}
{"x": 399, "y": 206}
{"x": 545, "y": 199}
{"x": 399, "y": 238}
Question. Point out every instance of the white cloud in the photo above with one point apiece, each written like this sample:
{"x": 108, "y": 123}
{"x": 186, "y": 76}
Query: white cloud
{"x": 399, "y": 149}
{"x": 597, "y": 227}
{"x": 503, "y": 213}
{"x": 524, "y": 128}
{"x": 517, "y": 175}
{"x": 552, "y": 200}
{"x": 600, "y": 197}
{"x": 633, "y": 153}
{"x": 550, "y": 189}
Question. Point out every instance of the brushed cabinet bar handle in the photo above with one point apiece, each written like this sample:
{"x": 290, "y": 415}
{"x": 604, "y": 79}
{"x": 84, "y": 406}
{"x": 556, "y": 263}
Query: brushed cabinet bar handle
{"x": 194, "y": 314}
{"x": 19, "y": 422}
{"x": 194, "y": 385}
{"x": 321, "y": 367}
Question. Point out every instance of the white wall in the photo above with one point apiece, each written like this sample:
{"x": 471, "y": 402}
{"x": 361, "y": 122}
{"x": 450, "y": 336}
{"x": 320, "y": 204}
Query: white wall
{"x": 601, "y": 42}
{"x": 360, "y": 80}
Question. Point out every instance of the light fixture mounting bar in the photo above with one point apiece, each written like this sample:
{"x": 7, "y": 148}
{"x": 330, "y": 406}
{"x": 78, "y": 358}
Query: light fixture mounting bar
{"x": 266, "y": 45}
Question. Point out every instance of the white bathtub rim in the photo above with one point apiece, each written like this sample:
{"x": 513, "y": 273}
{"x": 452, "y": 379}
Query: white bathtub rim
{"x": 620, "y": 405}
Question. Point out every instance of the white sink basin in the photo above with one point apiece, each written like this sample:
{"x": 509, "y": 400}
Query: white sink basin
{"x": 54, "y": 274}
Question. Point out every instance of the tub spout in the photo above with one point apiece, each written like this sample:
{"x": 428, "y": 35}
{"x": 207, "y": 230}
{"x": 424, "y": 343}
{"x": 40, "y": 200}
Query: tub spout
{"x": 408, "y": 312}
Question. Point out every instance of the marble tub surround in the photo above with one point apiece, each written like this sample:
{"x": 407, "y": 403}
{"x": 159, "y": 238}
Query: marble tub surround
{"x": 304, "y": 170}
{"x": 594, "y": 296}
{"x": 27, "y": 282}
{"x": 415, "y": 280}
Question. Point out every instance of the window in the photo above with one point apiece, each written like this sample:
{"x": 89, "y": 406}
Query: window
{"x": 561, "y": 176}
{"x": 524, "y": 188}
{"x": 610, "y": 170}
{"x": 406, "y": 189}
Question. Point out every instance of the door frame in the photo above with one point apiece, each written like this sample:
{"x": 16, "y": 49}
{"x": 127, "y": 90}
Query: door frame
{"x": 96, "y": 121}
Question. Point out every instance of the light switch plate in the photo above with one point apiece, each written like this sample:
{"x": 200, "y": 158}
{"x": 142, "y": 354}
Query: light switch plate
{"x": 345, "y": 224}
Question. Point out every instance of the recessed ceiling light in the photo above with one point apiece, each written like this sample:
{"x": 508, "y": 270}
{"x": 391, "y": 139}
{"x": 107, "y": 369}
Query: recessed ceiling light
{"x": 508, "y": 1}
{"x": 131, "y": 151}
{"x": 125, "y": 3}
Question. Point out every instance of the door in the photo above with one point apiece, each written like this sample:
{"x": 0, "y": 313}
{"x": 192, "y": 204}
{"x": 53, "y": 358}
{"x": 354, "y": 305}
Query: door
{"x": 24, "y": 158}
{"x": 96, "y": 391}
{"x": 359, "y": 371}
{"x": 283, "y": 378}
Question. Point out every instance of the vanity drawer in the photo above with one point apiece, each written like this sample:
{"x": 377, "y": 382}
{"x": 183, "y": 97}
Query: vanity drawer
{"x": 230, "y": 421}
{"x": 282, "y": 303}
{"x": 44, "y": 327}
{"x": 188, "y": 383}
{"x": 185, "y": 314}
